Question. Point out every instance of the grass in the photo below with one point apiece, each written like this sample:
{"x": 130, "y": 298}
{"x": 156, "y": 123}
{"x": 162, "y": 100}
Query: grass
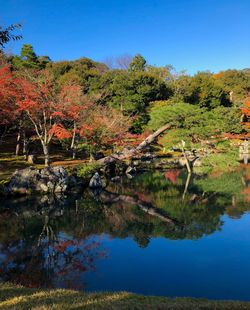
{"x": 17, "y": 297}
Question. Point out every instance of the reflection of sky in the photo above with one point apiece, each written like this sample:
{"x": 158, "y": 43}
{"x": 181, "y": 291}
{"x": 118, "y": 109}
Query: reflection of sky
{"x": 215, "y": 266}
{"x": 87, "y": 252}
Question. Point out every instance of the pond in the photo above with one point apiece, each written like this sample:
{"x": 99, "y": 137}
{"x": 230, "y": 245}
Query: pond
{"x": 160, "y": 233}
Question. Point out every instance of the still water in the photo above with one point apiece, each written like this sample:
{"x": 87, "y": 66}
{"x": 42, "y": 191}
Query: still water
{"x": 159, "y": 233}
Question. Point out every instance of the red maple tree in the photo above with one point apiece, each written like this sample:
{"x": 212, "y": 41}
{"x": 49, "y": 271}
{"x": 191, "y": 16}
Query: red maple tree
{"x": 40, "y": 101}
{"x": 8, "y": 94}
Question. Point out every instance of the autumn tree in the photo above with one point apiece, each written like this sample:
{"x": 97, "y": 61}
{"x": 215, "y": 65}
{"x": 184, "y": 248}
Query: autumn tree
{"x": 245, "y": 109}
{"x": 8, "y": 95}
{"x": 39, "y": 101}
{"x": 236, "y": 83}
{"x": 75, "y": 110}
{"x": 111, "y": 125}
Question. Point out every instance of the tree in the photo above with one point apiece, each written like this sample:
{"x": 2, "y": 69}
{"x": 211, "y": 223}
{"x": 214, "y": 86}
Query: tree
{"x": 245, "y": 109}
{"x": 75, "y": 110}
{"x": 8, "y": 95}
{"x": 206, "y": 91}
{"x": 82, "y": 71}
{"x": 130, "y": 93}
{"x": 236, "y": 83}
{"x": 192, "y": 123}
{"x": 123, "y": 61}
{"x": 138, "y": 63}
{"x": 29, "y": 60}
{"x": 181, "y": 87}
{"x": 109, "y": 126}
{"x": 39, "y": 101}
{"x": 163, "y": 73}
{"x": 6, "y": 34}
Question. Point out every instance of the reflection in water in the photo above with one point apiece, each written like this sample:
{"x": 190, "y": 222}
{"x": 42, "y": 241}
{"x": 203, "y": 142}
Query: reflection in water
{"x": 58, "y": 241}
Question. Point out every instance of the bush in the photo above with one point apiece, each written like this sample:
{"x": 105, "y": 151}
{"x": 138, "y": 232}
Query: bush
{"x": 223, "y": 162}
{"x": 87, "y": 170}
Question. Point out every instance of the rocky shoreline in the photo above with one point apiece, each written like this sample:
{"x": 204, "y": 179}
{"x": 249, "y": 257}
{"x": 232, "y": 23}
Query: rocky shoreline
{"x": 52, "y": 180}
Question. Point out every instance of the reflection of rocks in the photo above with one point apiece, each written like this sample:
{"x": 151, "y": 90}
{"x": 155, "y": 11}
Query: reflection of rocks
{"x": 47, "y": 180}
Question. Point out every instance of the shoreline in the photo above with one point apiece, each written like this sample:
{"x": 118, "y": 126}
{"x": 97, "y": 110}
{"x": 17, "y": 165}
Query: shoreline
{"x": 18, "y": 297}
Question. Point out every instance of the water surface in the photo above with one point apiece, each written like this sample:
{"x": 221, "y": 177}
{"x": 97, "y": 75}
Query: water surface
{"x": 159, "y": 234}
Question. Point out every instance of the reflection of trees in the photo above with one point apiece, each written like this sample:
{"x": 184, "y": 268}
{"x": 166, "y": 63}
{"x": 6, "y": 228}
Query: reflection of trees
{"x": 198, "y": 212}
{"x": 41, "y": 258}
{"x": 46, "y": 238}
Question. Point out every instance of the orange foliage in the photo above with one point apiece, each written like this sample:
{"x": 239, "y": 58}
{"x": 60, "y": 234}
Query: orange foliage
{"x": 60, "y": 132}
{"x": 219, "y": 75}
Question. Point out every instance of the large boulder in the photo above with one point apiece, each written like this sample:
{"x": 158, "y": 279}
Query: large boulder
{"x": 47, "y": 180}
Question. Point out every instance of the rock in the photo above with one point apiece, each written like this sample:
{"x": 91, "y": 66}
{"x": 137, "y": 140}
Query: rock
{"x": 129, "y": 176}
{"x": 136, "y": 162}
{"x": 147, "y": 157}
{"x": 23, "y": 181}
{"x": 96, "y": 181}
{"x": 115, "y": 179}
{"x": 131, "y": 170}
{"x": 47, "y": 180}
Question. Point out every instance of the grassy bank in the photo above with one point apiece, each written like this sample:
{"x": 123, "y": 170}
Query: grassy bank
{"x": 16, "y": 297}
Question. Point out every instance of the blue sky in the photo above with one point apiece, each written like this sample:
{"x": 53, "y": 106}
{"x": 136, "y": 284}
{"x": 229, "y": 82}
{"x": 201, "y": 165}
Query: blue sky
{"x": 189, "y": 34}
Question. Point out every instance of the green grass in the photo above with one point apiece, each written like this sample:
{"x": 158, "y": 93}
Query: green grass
{"x": 10, "y": 163}
{"x": 17, "y": 297}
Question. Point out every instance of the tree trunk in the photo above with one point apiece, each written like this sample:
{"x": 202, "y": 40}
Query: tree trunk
{"x": 109, "y": 197}
{"x": 127, "y": 153}
{"x": 72, "y": 146}
{"x": 18, "y": 140}
{"x": 185, "y": 157}
{"x": 25, "y": 145}
{"x": 46, "y": 154}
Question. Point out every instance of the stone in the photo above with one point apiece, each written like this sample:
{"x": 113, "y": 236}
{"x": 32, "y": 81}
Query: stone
{"x": 129, "y": 176}
{"x": 136, "y": 162}
{"x": 96, "y": 181}
{"x": 116, "y": 179}
{"x": 47, "y": 180}
{"x": 131, "y": 170}
{"x": 147, "y": 157}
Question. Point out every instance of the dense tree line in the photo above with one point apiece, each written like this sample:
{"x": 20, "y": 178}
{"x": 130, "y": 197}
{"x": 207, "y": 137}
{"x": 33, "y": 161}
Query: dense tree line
{"x": 84, "y": 103}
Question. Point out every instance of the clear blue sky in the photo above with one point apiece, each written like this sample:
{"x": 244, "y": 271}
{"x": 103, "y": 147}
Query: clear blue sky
{"x": 189, "y": 34}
